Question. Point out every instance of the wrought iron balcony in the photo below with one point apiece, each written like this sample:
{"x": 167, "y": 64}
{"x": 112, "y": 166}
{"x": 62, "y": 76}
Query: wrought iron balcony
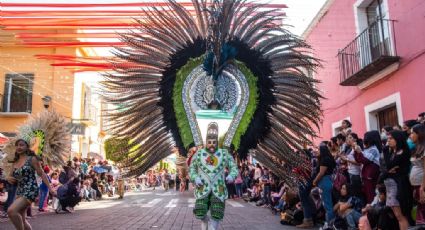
{"x": 369, "y": 53}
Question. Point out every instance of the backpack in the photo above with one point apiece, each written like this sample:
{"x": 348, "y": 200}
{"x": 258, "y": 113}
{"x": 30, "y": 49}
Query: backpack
{"x": 63, "y": 178}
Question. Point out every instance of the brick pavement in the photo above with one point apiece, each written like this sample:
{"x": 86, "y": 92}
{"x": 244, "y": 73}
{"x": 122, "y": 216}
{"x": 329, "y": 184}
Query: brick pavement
{"x": 151, "y": 210}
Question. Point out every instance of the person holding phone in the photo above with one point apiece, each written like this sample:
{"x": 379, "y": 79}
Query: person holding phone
{"x": 25, "y": 166}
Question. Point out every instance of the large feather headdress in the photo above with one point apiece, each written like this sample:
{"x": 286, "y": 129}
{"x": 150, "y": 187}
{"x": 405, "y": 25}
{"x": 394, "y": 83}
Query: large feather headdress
{"x": 48, "y": 135}
{"x": 229, "y": 56}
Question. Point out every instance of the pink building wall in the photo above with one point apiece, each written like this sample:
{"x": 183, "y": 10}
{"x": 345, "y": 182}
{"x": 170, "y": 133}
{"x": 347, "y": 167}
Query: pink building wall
{"x": 336, "y": 29}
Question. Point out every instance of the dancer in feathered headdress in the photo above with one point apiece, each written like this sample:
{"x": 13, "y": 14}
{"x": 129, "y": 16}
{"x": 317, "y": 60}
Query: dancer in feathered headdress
{"x": 45, "y": 137}
{"x": 228, "y": 62}
{"x": 48, "y": 136}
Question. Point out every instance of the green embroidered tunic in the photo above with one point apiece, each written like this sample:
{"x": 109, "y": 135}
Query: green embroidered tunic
{"x": 210, "y": 169}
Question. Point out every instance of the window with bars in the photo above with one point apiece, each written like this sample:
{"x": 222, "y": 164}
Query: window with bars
{"x": 18, "y": 93}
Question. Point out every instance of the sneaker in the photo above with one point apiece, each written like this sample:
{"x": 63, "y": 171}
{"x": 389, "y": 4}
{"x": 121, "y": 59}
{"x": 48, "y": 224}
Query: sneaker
{"x": 307, "y": 223}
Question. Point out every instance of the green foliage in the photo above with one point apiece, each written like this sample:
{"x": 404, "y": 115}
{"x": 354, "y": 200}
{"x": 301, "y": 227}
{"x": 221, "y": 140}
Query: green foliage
{"x": 180, "y": 112}
{"x": 113, "y": 146}
{"x": 251, "y": 107}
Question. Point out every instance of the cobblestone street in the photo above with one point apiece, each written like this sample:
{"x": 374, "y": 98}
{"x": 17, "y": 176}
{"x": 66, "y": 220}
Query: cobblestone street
{"x": 151, "y": 210}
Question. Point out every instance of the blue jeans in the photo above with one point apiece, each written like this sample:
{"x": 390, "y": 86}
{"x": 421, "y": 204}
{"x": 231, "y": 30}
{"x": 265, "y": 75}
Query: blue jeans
{"x": 239, "y": 190}
{"x": 11, "y": 193}
{"x": 353, "y": 218}
{"x": 306, "y": 201}
{"x": 42, "y": 198}
{"x": 267, "y": 194}
{"x": 280, "y": 205}
{"x": 325, "y": 184}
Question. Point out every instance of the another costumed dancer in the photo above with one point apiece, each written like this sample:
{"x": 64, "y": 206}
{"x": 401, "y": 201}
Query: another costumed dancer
{"x": 232, "y": 62}
{"x": 207, "y": 173}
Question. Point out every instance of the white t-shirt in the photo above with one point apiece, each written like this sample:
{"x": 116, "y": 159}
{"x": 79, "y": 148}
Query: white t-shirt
{"x": 352, "y": 168}
{"x": 257, "y": 173}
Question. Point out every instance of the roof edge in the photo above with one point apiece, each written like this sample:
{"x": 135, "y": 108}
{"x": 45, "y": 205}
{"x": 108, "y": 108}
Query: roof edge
{"x": 317, "y": 18}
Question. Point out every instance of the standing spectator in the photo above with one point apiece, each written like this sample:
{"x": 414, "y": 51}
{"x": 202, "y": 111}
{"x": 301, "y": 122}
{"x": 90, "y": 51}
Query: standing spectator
{"x": 384, "y": 134}
{"x": 421, "y": 118}
{"x": 84, "y": 167}
{"x": 265, "y": 180}
{"x": 238, "y": 183}
{"x": 230, "y": 185}
{"x": 346, "y": 127}
{"x": 178, "y": 181}
{"x": 417, "y": 172}
{"x": 258, "y": 172}
{"x": 369, "y": 159}
{"x": 395, "y": 176}
{"x": 324, "y": 180}
{"x": 354, "y": 168}
{"x": 166, "y": 180}
{"x": 44, "y": 191}
{"x": 407, "y": 127}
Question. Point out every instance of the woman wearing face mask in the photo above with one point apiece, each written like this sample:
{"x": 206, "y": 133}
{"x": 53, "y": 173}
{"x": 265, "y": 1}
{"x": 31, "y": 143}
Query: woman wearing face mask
{"x": 395, "y": 177}
{"x": 25, "y": 167}
{"x": 417, "y": 179}
{"x": 407, "y": 126}
{"x": 384, "y": 134}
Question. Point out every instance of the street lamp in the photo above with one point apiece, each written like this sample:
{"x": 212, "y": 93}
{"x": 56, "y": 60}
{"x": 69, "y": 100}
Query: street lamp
{"x": 46, "y": 101}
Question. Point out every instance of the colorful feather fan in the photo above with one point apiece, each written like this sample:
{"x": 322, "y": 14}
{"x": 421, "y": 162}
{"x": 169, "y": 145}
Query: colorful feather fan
{"x": 231, "y": 60}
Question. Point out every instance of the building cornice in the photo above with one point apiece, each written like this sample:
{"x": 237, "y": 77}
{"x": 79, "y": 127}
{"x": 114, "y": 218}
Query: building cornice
{"x": 317, "y": 18}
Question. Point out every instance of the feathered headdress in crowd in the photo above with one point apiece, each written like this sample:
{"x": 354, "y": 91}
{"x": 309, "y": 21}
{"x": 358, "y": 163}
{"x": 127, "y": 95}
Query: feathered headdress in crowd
{"x": 48, "y": 135}
{"x": 227, "y": 60}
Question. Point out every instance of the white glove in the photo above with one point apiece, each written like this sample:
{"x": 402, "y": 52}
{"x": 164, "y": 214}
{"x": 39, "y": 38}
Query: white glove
{"x": 229, "y": 179}
{"x": 198, "y": 182}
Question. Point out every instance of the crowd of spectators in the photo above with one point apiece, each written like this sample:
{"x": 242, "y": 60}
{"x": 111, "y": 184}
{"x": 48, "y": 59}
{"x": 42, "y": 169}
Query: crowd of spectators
{"x": 372, "y": 181}
{"x": 80, "y": 179}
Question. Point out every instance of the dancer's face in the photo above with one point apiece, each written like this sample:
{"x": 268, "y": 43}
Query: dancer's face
{"x": 21, "y": 147}
{"x": 211, "y": 145}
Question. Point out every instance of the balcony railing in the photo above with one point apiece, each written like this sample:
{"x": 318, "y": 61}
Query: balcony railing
{"x": 369, "y": 53}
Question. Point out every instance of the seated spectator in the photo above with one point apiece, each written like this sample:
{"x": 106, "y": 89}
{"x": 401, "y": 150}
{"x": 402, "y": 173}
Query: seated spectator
{"x": 254, "y": 193}
{"x": 377, "y": 215}
{"x": 292, "y": 213}
{"x": 348, "y": 207}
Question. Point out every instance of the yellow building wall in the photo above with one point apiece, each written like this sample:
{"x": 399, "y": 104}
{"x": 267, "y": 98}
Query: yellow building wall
{"x": 55, "y": 82}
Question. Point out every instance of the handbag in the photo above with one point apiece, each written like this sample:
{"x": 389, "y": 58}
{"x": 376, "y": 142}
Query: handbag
{"x": 339, "y": 179}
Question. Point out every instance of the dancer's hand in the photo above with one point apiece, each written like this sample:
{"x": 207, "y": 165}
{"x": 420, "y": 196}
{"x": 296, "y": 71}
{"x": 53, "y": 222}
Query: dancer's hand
{"x": 229, "y": 179}
{"x": 198, "y": 182}
{"x": 11, "y": 180}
